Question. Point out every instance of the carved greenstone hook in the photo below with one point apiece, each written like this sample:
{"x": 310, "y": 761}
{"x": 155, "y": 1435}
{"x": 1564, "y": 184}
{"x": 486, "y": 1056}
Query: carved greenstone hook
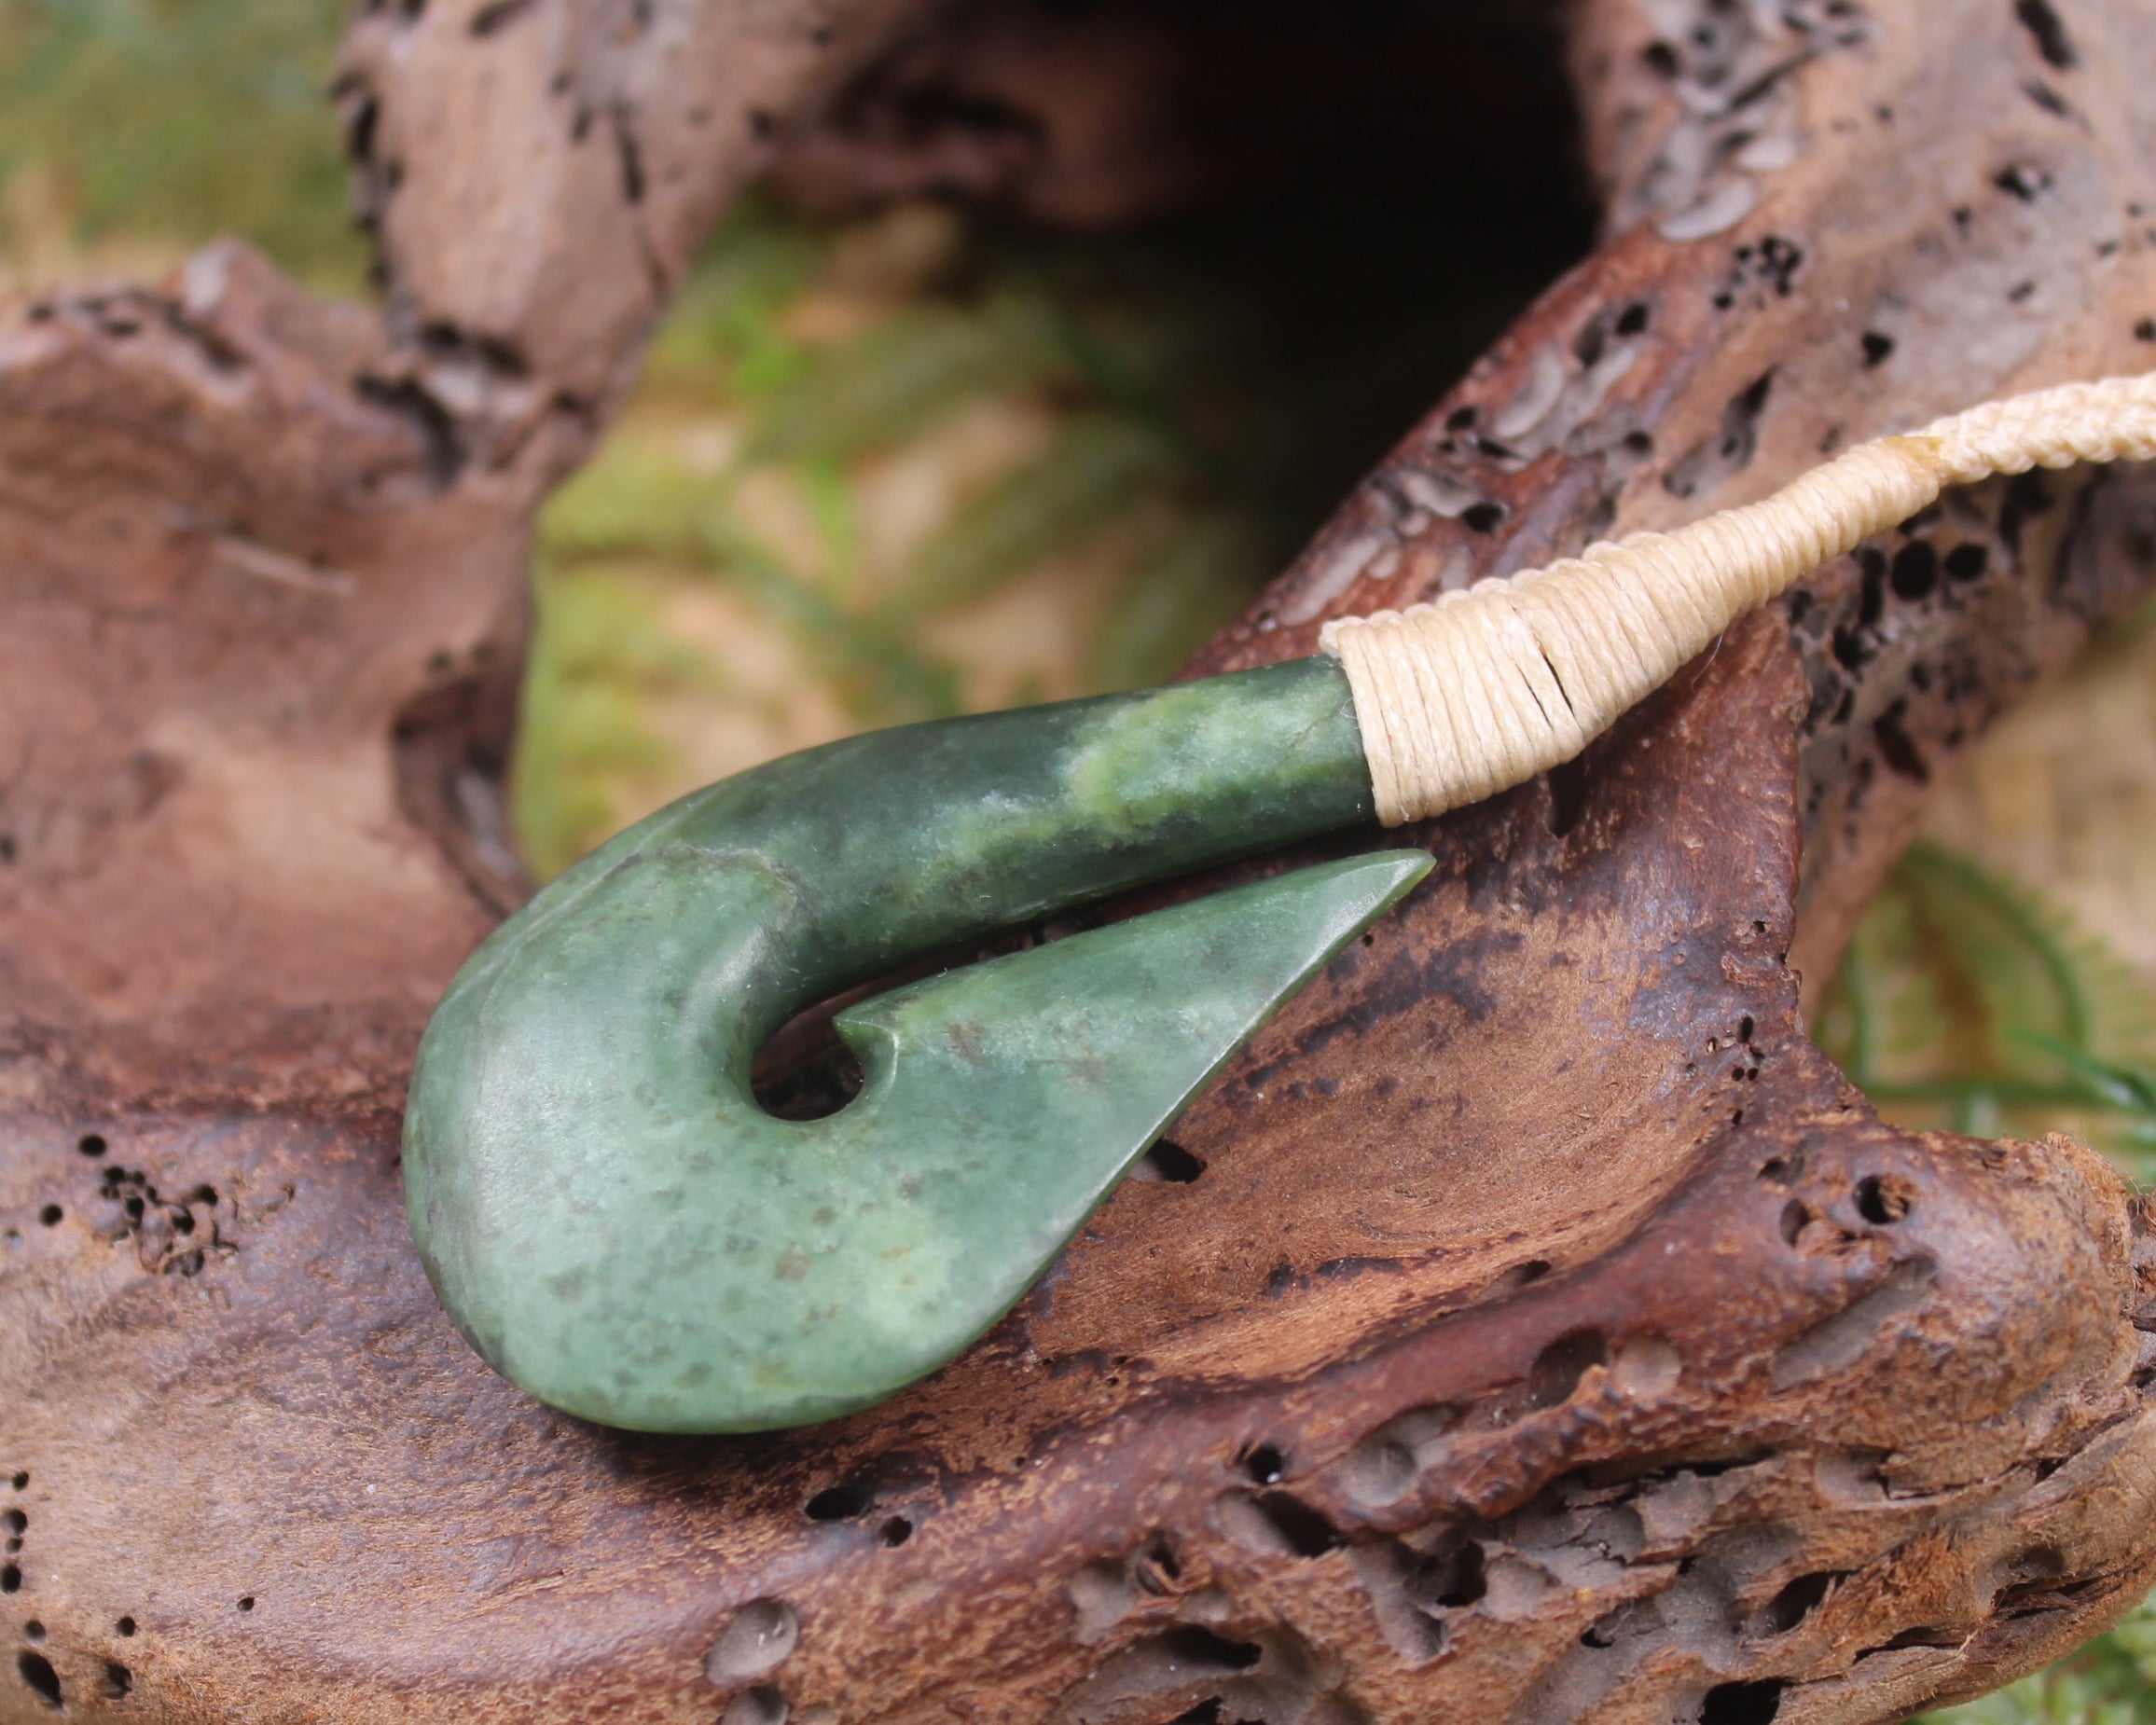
{"x": 617, "y": 1226}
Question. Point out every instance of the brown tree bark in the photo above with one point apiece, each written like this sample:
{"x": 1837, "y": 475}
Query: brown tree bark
{"x": 1550, "y": 1333}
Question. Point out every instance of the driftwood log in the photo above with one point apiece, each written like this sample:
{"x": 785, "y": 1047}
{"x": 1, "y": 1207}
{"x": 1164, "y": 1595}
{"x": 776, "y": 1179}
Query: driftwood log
{"x": 1533, "y": 1327}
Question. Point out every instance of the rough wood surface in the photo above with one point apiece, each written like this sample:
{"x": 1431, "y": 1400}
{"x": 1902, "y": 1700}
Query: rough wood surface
{"x": 538, "y": 173}
{"x": 1535, "y": 1328}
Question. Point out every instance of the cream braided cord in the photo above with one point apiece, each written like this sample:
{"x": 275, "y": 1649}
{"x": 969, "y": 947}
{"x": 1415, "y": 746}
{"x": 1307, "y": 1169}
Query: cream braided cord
{"x": 1484, "y": 688}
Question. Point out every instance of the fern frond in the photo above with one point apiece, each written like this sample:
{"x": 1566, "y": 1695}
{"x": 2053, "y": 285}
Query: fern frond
{"x": 585, "y": 734}
{"x": 636, "y": 498}
{"x": 1968, "y": 992}
{"x": 1194, "y": 580}
{"x": 880, "y": 677}
{"x": 890, "y": 381}
{"x": 725, "y": 332}
{"x": 1097, "y": 470}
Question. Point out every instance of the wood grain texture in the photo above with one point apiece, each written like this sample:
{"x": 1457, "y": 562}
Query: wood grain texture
{"x": 1548, "y": 1332}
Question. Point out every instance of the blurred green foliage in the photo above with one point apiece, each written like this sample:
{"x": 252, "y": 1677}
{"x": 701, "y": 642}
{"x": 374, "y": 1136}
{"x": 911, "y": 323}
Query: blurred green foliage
{"x": 2111, "y": 1681}
{"x": 1967, "y": 1000}
{"x": 819, "y": 414}
{"x": 170, "y": 121}
{"x": 610, "y": 648}
{"x": 1202, "y": 395}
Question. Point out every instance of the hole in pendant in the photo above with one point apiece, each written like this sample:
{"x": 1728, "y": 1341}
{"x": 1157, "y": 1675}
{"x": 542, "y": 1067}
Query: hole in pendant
{"x": 809, "y": 1076}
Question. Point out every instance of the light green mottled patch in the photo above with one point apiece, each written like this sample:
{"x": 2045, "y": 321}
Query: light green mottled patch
{"x": 614, "y": 1222}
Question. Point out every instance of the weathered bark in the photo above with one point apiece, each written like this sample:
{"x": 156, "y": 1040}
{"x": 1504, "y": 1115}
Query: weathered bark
{"x": 1548, "y": 1331}
{"x": 538, "y": 173}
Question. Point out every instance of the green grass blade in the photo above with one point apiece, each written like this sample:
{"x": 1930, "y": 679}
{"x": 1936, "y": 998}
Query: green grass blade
{"x": 1095, "y": 471}
{"x": 1201, "y": 573}
{"x": 887, "y": 384}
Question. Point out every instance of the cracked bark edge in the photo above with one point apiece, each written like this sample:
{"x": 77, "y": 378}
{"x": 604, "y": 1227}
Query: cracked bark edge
{"x": 636, "y": 122}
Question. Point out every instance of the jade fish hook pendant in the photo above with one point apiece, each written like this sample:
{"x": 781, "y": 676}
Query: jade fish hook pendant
{"x": 617, "y": 1226}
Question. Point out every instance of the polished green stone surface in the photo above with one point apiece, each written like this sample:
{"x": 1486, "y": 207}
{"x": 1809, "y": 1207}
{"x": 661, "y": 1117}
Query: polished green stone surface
{"x": 617, "y": 1226}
